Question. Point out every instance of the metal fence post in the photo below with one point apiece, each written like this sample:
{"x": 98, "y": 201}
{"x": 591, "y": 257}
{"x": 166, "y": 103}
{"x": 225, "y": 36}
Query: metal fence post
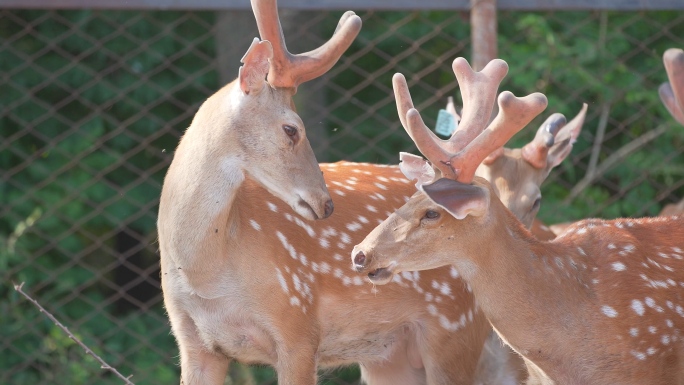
{"x": 483, "y": 32}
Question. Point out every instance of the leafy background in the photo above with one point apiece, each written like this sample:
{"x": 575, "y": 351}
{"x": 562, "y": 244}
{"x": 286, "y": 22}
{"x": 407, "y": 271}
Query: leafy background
{"x": 93, "y": 103}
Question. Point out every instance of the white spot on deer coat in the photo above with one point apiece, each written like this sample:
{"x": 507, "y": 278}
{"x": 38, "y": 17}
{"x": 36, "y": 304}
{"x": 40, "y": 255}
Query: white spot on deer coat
{"x": 281, "y": 280}
{"x": 638, "y": 307}
{"x": 609, "y": 311}
{"x": 354, "y": 226}
{"x": 619, "y": 266}
{"x": 255, "y": 225}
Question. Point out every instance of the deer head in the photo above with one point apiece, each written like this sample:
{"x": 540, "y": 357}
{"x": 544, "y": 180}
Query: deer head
{"x": 266, "y": 130}
{"x": 516, "y": 174}
{"x": 456, "y": 197}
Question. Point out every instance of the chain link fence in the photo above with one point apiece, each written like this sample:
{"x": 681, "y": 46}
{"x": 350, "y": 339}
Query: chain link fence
{"x": 93, "y": 103}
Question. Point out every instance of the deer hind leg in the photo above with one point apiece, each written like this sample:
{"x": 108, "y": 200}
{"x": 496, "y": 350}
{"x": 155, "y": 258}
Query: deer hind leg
{"x": 198, "y": 365}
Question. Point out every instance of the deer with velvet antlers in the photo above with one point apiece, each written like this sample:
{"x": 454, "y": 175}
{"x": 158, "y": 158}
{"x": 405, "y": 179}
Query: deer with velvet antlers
{"x": 601, "y": 304}
{"x": 299, "y": 310}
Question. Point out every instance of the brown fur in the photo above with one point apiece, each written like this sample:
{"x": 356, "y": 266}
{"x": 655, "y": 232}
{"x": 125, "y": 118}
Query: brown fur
{"x": 563, "y": 305}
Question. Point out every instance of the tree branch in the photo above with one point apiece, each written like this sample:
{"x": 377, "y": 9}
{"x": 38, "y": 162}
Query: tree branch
{"x": 103, "y": 364}
{"x": 614, "y": 159}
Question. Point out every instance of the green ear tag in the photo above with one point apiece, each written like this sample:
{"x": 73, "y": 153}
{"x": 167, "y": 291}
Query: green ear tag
{"x": 446, "y": 124}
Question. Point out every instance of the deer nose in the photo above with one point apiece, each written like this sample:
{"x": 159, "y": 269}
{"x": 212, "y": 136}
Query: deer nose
{"x": 329, "y": 207}
{"x": 359, "y": 260}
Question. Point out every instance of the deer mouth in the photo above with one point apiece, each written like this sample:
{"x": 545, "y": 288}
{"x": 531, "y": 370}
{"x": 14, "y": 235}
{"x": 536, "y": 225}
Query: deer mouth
{"x": 381, "y": 276}
{"x": 304, "y": 209}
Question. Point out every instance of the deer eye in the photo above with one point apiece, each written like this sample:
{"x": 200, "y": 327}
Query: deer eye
{"x": 289, "y": 130}
{"x": 431, "y": 214}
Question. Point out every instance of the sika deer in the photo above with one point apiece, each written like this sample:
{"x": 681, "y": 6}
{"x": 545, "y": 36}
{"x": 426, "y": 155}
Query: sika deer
{"x": 302, "y": 275}
{"x": 248, "y": 129}
{"x": 598, "y": 305}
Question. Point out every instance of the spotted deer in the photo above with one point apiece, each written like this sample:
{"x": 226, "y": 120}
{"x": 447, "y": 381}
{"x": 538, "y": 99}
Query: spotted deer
{"x": 295, "y": 313}
{"x": 247, "y": 131}
{"x": 600, "y": 304}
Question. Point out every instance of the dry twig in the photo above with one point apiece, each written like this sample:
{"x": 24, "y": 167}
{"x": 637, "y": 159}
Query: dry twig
{"x": 103, "y": 364}
{"x": 614, "y": 159}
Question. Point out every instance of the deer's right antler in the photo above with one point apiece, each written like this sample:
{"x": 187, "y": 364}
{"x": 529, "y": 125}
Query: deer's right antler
{"x": 288, "y": 70}
{"x": 672, "y": 93}
{"x": 459, "y": 157}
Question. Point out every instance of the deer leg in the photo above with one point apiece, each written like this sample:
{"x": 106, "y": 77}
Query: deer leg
{"x": 198, "y": 365}
{"x": 297, "y": 365}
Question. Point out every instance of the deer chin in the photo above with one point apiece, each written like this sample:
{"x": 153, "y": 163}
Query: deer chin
{"x": 382, "y": 275}
{"x": 312, "y": 205}
{"x": 304, "y": 209}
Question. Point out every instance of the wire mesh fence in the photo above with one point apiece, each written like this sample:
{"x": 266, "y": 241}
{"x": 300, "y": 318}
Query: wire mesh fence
{"x": 93, "y": 103}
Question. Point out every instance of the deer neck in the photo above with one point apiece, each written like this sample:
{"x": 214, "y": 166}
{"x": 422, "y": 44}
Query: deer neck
{"x": 202, "y": 182}
{"x": 524, "y": 286}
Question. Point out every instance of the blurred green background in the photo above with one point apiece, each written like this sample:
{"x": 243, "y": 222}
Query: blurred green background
{"x": 92, "y": 104}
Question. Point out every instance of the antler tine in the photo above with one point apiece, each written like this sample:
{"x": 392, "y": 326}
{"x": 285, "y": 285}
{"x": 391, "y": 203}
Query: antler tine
{"x": 402, "y": 96}
{"x": 478, "y": 90}
{"x": 536, "y": 151}
{"x": 514, "y": 114}
{"x": 428, "y": 143}
{"x": 289, "y": 70}
{"x": 672, "y": 93}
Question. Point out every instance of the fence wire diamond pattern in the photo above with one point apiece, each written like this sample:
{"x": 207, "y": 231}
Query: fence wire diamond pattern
{"x": 93, "y": 104}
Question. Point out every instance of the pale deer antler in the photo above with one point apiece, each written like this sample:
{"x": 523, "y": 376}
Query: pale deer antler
{"x": 672, "y": 93}
{"x": 458, "y": 157}
{"x": 288, "y": 70}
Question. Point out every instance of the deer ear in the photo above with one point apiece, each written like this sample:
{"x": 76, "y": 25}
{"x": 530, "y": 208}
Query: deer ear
{"x": 416, "y": 168}
{"x": 252, "y": 74}
{"x": 565, "y": 138}
{"x": 459, "y": 199}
